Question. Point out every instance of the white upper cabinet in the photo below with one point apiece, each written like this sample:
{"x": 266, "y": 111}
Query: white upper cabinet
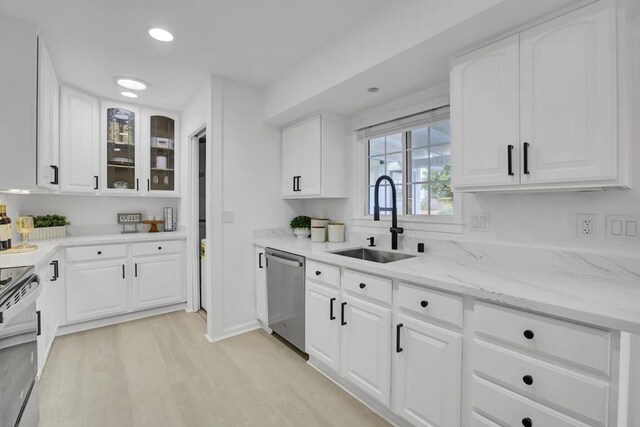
{"x": 18, "y": 76}
{"x": 568, "y": 98}
{"x": 48, "y": 121}
{"x": 485, "y": 104}
{"x": 313, "y": 158}
{"x": 79, "y": 141}
{"x": 539, "y": 110}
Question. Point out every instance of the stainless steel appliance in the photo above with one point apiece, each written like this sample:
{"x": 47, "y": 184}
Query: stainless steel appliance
{"x": 285, "y": 295}
{"x": 19, "y": 328}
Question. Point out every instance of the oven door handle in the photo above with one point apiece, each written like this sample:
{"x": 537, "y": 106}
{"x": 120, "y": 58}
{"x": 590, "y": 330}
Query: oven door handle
{"x": 288, "y": 262}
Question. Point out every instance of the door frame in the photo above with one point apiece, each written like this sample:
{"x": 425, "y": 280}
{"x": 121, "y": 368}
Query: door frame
{"x": 193, "y": 238}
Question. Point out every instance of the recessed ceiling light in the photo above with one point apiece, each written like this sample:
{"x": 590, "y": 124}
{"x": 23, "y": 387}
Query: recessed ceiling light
{"x": 129, "y": 94}
{"x": 161, "y": 35}
{"x": 373, "y": 89}
{"x": 131, "y": 84}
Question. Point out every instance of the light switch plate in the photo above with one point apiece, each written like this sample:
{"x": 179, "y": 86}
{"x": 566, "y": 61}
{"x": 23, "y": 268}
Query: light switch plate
{"x": 227, "y": 216}
{"x": 623, "y": 227}
{"x": 480, "y": 222}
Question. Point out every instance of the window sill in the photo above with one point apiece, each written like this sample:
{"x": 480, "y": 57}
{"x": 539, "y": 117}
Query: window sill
{"x": 440, "y": 225}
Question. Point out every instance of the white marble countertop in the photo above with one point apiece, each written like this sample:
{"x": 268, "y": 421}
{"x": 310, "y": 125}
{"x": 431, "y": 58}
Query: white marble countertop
{"x": 589, "y": 288}
{"x": 48, "y": 247}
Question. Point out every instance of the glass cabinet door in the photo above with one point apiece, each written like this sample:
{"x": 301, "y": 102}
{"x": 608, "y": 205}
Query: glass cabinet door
{"x": 121, "y": 149}
{"x": 162, "y": 158}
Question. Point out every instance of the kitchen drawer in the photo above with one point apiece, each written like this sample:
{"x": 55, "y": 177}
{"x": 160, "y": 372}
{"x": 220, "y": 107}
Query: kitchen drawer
{"x": 572, "y": 342}
{"x": 157, "y": 248}
{"x": 511, "y": 409}
{"x": 96, "y": 253}
{"x": 425, "y": 302}
{"x": 572, "y": 391}
{"x": 323, "y": 273}
{"x": 374, "y": 287}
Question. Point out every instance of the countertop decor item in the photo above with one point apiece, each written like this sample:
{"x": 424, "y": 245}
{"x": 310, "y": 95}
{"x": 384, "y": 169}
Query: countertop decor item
{"x": 49, "y": 227}
{"x": 24, "y": 226}
{"x": 170, "y": 219}
{"x": 321, "y": 222}
{"x": 336, "y": 232}
{"x": 301, "y": 226}
{"x": 129, "y": 222}
{"x": 318, "y": 234}
{"x": 154, "y": 224}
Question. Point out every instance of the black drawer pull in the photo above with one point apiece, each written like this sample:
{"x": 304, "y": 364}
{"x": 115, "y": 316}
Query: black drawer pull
{"x": 331, "y": 315}
{"x": 159, "y": 248}
{"x": 99, "y": 252}
{"x": 424, "y": 303}
{"x": 363, "y": 285}
{"x": 318, "y": 273}
{"x": 528, "y": 379}
{"x": 342, "y": 322}
{"x": 136, "y": 269}
{"x": 526, "y": 422}
{"x": 398, "y": 348}
{"x": 528, "y": 334}
{"x": 123, "y": 275}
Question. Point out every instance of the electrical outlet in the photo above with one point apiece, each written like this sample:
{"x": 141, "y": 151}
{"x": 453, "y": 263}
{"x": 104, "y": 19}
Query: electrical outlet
{"x": 587, "y": 225}
{"x": 227, "y": 216}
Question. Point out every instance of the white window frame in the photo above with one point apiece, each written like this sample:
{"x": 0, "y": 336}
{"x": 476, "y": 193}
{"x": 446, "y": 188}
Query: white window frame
{"x": 360, "y": 154}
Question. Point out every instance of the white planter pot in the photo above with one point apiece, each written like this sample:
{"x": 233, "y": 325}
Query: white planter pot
{"x": 302, "y": 233}
{"x": 45, "y": 233}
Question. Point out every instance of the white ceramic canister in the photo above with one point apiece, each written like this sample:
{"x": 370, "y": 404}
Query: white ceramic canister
{"x": 336, "y": 232}
{"x": 161, "y": 162}
{"x": 321, "y": 222}
{"x": 318, "y": 234}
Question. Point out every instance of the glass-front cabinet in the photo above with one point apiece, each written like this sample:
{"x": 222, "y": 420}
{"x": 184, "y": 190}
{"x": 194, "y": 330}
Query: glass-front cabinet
{"x": 161, "y": 149}
{"x": 121, "y": 148}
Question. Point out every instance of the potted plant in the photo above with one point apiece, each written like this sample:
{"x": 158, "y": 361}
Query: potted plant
{"x": 49, "y": 227}
{"x": 301, "y": 226}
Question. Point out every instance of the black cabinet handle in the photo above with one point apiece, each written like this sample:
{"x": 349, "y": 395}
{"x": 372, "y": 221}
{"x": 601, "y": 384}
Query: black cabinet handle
{"x": 123, "y": 276}
{"x": 299, "y": 179}
{"x": 525, "y": 158}
{"x": 527, "y": 379}
{"x": 55, "y": 175}
{"x": 398, "y": 348}
{"x": 148, "y": 185}
{"x": 331, "y": 315}
{"x": 95, "y": 186}
{"x": 136, "y": 269}
{"x": 294, "y": 183}
{"x": 39, "y": 322}
{"x": 342, "y": 322}
{"x": 137, "y": 184}
{"x": 159, "y": 248}
{"x": 424, "y": 303}
{"x": 55, "y": 270}
{"x": 363, "y": 285}
{"x": 510, "y": 160}
{"x": 99, "y": 252}
{"x": 318, "y": 272}
{"x": 526, "y": 422}
{"x": 260, "y": 260}
{"x": 528, "y": 334}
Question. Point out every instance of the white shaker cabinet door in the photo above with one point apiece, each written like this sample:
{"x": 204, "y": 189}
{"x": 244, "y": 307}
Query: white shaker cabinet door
{"x": 79, "y": 143}
{"x": 427, "y": 364}
{"x": 157, "y": 281}
{"x": 484, "y": 116}
{"x": 569, "y": 98}
{"x": 95, "y": 290}
{"x": 302, "y": 158}
{"x": 261, "y": 287}
{"x": 48, "y": 121}
{"x": 323, "y": 325}
{"x": 366, "y": 347}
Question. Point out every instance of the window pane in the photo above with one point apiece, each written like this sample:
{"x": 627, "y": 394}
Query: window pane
{"x": 419, "y": 165}
{"x": 394, "y": 167}
{"x": 440, "y": 132}
{"x": 399, "y": 200}
{"x": 376, "y": 146}
{"x": 394, "y": 143}
{"x": 419, "y": 137}
{"x": 440, "y": 162}
{"x": 376, "y": 168}
{"x": 418, "y": 199}
{"x": 441, "y": 198}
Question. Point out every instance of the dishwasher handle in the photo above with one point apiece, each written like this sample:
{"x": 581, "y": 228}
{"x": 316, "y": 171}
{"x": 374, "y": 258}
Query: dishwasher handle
{"x": 284, "y": 261}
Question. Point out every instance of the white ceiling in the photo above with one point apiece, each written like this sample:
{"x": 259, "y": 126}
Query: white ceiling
{"x": 252, "y": 41}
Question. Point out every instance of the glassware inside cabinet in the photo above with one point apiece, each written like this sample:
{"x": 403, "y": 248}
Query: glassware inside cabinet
{"x": 162, "y": 158}
{"x": 121, "y": 149}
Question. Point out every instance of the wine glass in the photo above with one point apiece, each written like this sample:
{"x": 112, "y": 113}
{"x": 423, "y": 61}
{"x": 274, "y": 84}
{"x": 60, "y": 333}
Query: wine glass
{"x": 24, "y": 226}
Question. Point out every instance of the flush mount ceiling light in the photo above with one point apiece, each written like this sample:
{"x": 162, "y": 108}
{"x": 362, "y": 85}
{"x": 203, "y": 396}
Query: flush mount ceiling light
{"x": 131, "y": 84}
{"x": 373, "y": 89}
{"x": 129, "y": 94}
{"x": 161, "y": 35}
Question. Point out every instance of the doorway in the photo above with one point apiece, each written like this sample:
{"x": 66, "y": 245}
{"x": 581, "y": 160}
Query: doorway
{"x": 202, "y": 221}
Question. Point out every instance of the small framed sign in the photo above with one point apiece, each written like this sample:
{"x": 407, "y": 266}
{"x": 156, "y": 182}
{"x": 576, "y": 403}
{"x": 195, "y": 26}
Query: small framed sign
{"x": 129, "y": 222}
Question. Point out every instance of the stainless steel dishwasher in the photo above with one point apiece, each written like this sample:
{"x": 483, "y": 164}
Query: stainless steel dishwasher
{"x": 285, "y": 295}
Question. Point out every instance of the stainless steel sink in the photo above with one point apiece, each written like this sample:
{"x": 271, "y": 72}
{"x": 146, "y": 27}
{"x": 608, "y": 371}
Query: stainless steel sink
{"x": 382, "y": 257}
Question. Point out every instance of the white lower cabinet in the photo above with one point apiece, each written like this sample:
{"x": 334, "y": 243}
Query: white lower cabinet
{"x": 96, "y": 289}
{"x": 427, "y": 366}
{"x": 323, "y": 327}
{"x": 157, "y": 281}
{"x": 48, "y": 306}
{"x": 261, "y": 287}
{"x": 366, "y": 346}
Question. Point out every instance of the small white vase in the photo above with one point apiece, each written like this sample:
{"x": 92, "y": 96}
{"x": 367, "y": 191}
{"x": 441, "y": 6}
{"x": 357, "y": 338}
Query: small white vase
{"x": 302, "y": 233}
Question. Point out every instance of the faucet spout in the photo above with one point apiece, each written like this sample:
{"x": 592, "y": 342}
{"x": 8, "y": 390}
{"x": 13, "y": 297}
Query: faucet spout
{"x": 395, "y": 230}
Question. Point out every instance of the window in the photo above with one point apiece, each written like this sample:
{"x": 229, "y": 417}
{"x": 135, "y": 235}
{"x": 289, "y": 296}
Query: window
{"x": 415, "y": 152}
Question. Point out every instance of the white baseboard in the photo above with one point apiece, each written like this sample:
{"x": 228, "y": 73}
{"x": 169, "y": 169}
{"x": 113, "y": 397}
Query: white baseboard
{"x": 108, "y": 321}
{"x": 358, "y": 394}
{"x": 236, "y": 330}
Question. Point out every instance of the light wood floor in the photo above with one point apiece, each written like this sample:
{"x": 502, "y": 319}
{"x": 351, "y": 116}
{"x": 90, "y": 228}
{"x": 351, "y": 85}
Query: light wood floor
{"x": 161, "y": 371}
